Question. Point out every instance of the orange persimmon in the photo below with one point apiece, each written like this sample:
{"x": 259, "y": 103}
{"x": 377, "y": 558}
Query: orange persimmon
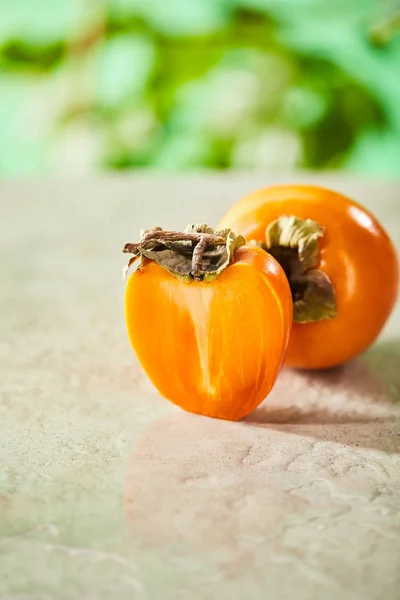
{"x": 341, "y": 265}
{"x": 209, "y": 319}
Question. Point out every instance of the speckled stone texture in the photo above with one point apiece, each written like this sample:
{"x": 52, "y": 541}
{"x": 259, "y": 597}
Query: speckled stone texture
{"x": 109, "y": 492}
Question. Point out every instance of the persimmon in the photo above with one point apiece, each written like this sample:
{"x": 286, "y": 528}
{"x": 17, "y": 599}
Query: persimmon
{"x": 209, "y": 319}
{"x": 340, "y": 263}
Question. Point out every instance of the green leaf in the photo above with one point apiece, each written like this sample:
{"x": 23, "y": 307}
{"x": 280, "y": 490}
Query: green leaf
{"x": 125, "y": 64}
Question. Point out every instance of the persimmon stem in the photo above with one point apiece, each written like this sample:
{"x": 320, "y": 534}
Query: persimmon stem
{"x": 197, "y": 259}
{"x": 199, "y": 253}
{"x": 157, "y": 234}
{"x": 293, "y": 242}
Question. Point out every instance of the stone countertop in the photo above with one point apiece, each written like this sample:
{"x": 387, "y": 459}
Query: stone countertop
{"x": 108, "y": 491}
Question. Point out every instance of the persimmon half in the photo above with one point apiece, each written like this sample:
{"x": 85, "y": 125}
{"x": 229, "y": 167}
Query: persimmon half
{"x": 341, "y": 265}
{"x": 209, "y": 319}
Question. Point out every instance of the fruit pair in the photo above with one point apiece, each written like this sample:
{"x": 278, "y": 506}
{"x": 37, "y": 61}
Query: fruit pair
{"x": 210, "y": 316}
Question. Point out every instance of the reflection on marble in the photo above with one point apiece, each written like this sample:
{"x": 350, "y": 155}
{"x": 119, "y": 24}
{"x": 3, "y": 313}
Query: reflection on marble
{"x": 295, "y": 497}
{"x": 108, "y": 491}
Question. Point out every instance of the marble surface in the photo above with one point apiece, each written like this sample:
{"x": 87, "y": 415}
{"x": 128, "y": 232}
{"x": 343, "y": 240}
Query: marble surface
{"x": 108, "y": 491}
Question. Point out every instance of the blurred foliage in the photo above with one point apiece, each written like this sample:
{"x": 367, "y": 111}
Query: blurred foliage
{"x": 176, "y": 84}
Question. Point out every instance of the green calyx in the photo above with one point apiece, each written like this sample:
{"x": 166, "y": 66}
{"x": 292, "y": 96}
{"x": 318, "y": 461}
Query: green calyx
{"x": 199, "y": 253}
{"x": 293, "y": 242}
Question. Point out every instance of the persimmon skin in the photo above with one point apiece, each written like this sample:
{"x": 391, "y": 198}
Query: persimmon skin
{"x": 212, "y": 348}
{"x": 355, "y": 252}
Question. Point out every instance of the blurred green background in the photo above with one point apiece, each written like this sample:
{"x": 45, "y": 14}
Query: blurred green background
{"x": 90, "y": 85}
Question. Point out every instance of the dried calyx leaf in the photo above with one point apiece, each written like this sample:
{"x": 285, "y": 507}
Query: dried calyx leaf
{"x": 198, "y": 253}
{"x": 294, "y": 244}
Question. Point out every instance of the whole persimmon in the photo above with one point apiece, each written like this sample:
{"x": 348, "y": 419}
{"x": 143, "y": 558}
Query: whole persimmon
{"x": 209, "y": 319}
{"x": 341, "y": 265}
